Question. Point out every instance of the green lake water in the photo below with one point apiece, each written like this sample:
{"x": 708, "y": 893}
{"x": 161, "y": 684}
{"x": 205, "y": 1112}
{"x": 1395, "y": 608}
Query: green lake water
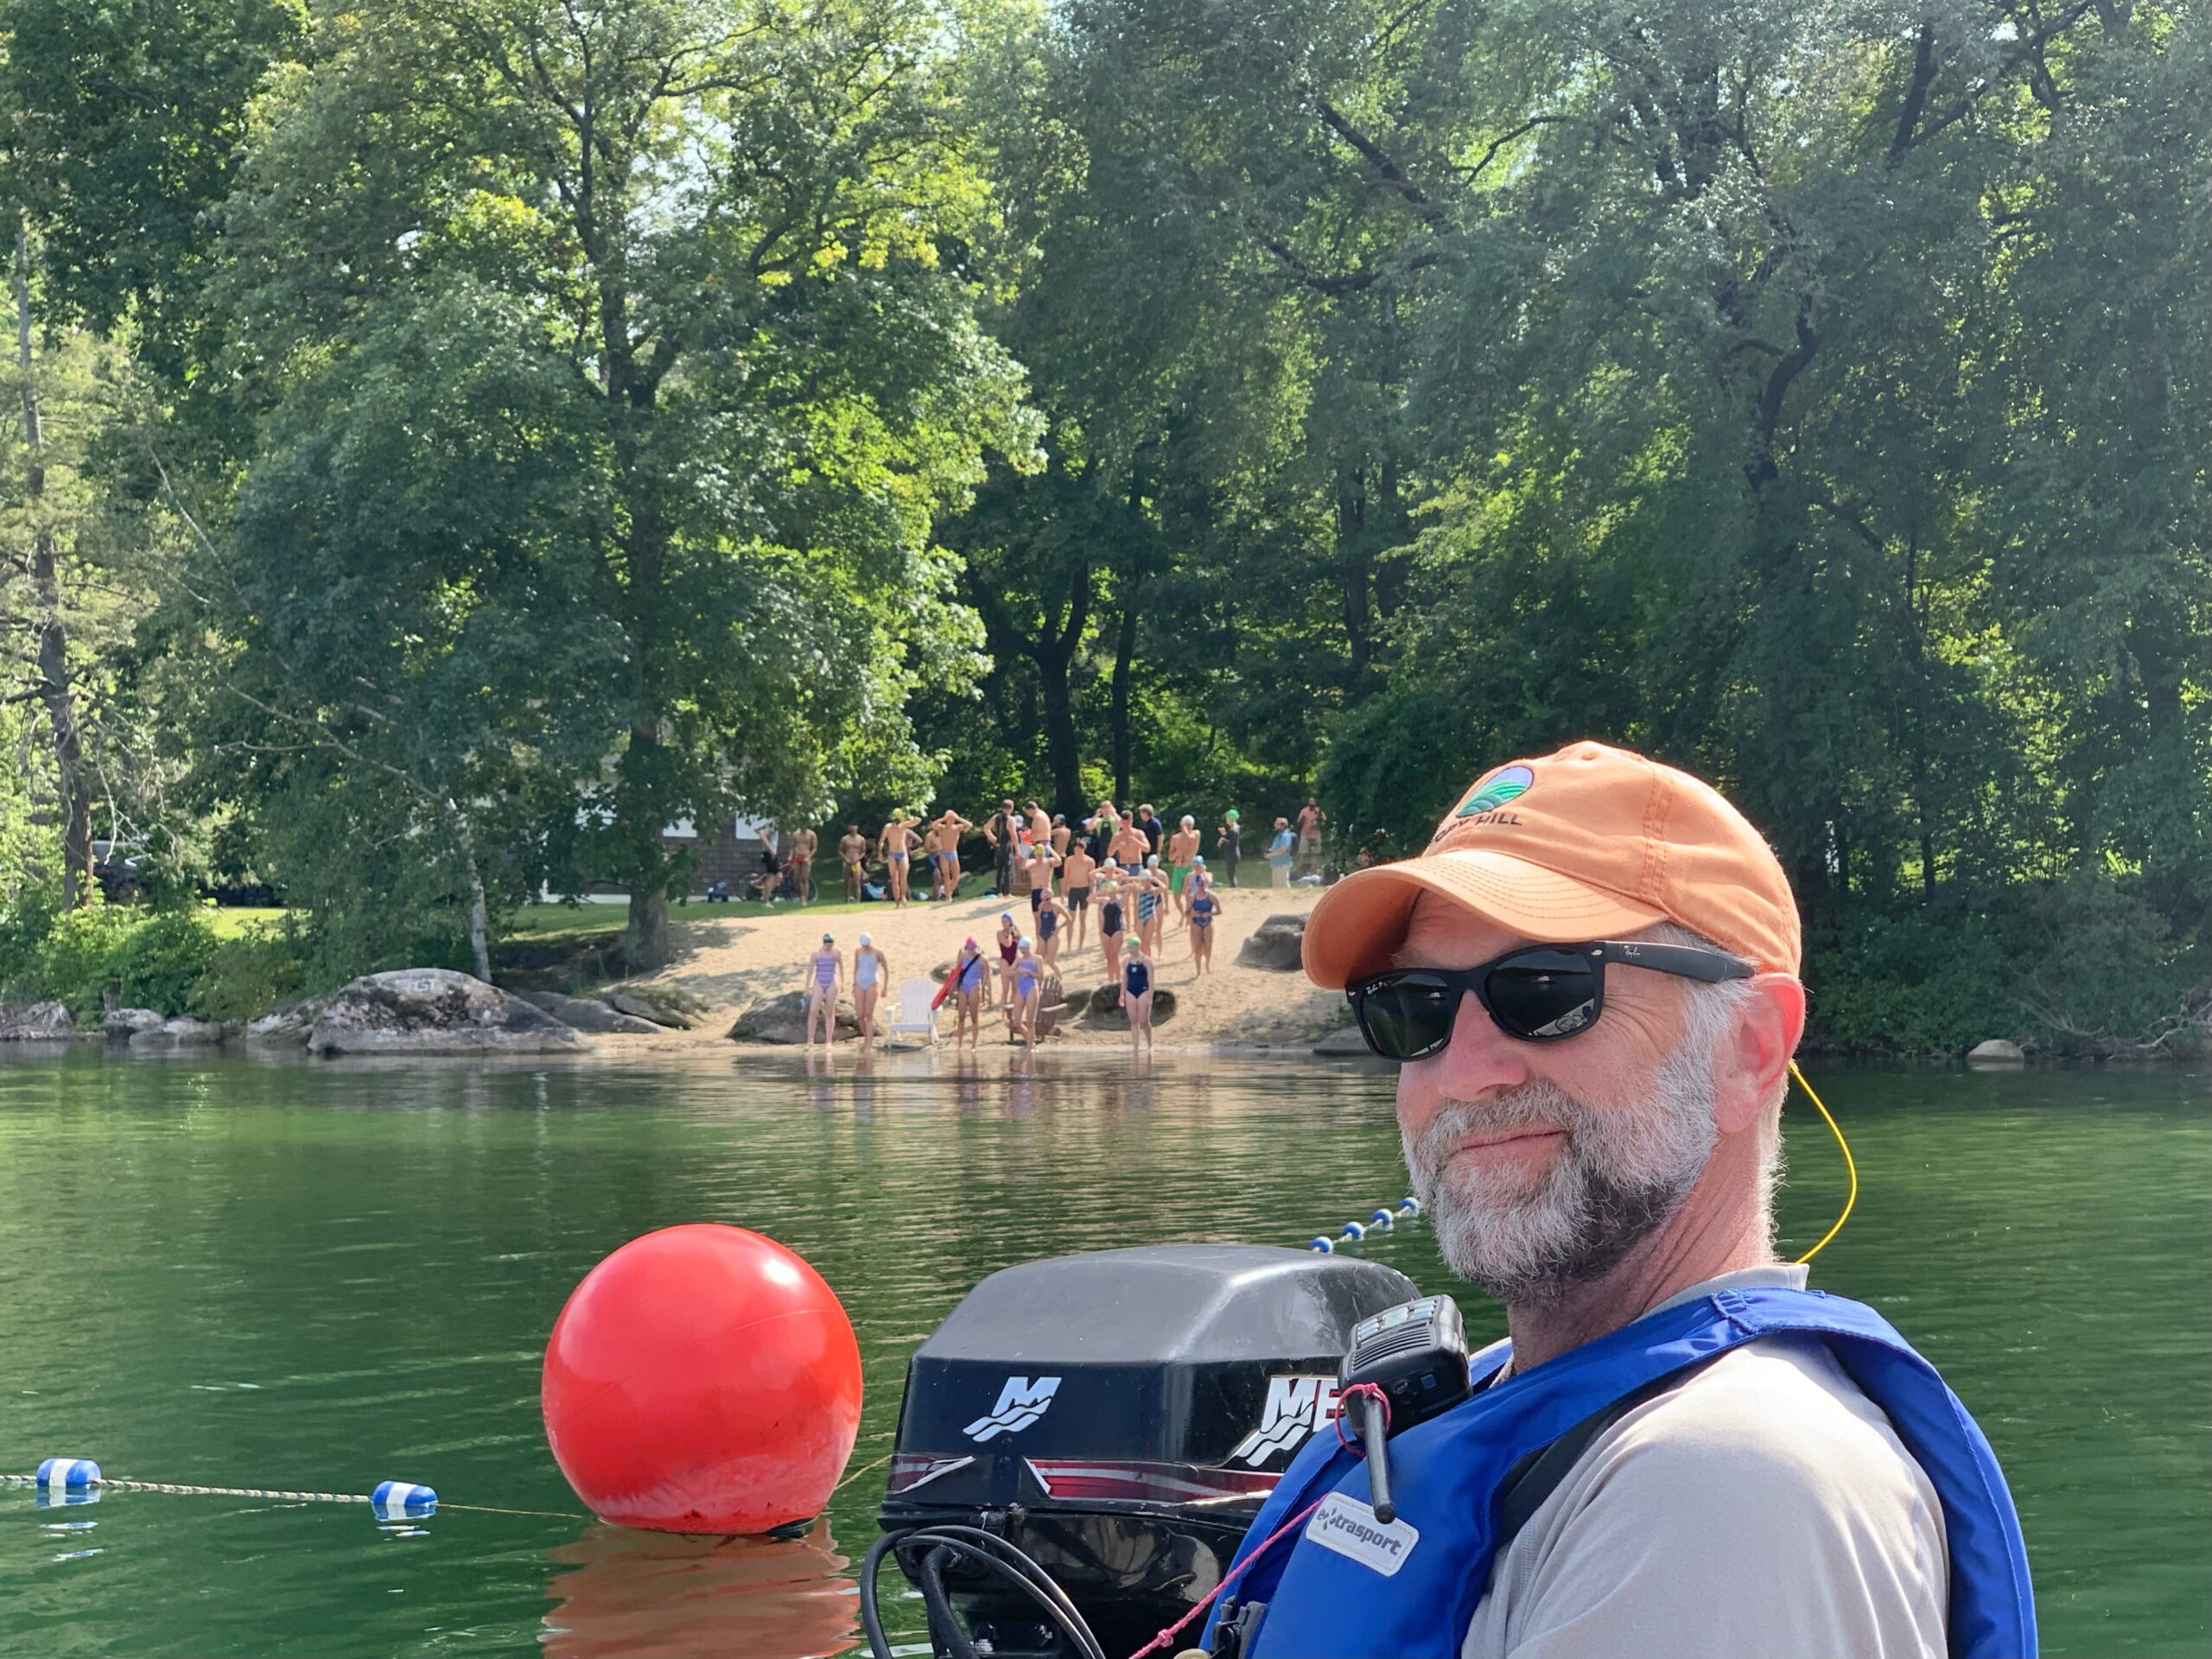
{"x": 220, "y": 1272}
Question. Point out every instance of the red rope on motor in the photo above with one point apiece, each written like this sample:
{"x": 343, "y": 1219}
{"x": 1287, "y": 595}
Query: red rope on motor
{"x": 1159, "y": 1641}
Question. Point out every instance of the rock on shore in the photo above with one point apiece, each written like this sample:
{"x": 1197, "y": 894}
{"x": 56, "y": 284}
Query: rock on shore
{"x": 783, "y": 1020}
{"x": 436, "y": 1011}
{"x": 1104, "y": 1007}
{"x": 587, "y": 1013}
{"x": 178, "y": 1034}
{"x": 1277, "y": 944}
{"x": 287, "y": 1025}
{"x": 34, "y": 1021}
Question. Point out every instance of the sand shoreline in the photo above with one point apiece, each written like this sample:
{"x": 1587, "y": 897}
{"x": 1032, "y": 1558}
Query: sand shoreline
{"x": 1231, "y": 1009}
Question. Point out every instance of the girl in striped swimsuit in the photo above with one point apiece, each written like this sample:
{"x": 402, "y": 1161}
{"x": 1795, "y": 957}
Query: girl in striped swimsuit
{"x": 825, "y": 971}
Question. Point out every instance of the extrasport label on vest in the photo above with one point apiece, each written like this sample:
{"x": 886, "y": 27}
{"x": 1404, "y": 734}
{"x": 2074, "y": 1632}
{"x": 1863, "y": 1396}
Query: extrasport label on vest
{"x": 1349, "y": 1528}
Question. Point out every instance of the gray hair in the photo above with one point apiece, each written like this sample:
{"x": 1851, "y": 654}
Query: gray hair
{"x": 1709, "y": 1019}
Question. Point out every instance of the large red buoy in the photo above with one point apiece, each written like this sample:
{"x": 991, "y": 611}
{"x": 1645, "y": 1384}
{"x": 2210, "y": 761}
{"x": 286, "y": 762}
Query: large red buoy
{"x": 703, "y": 1379}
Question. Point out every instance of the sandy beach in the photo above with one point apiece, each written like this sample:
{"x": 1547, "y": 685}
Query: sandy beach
{"x": 732, "y": 965}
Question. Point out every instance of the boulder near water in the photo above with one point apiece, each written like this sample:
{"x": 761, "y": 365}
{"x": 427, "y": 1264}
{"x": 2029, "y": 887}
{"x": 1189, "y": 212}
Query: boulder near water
{"x": 1104, "y": 1007}
{"x": 1276, "y": 944}
{"x": 35, "y": 1021}
{"x": 178, "y": 1034}
{"x": 121, "y": 1024}
{"x": 659, "y": 1009}
{"x": 1996, "y": 1052}
{"x": 783, "y": 1020}
{"x": 285, "y": 1025}
{"x": 587, "y": 1013}
{"x": 436, "y": 1011}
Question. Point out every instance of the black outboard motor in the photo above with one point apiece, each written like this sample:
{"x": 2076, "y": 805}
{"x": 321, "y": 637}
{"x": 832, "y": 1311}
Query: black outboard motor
{"x": 1119, "y": 1417}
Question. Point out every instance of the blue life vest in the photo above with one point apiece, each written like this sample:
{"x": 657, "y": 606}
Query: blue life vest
{"x": 1410, "y": 1590}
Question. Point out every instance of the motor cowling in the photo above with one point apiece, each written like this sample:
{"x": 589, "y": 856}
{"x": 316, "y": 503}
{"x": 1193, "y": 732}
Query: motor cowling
{"x": 1119, "y": 1416}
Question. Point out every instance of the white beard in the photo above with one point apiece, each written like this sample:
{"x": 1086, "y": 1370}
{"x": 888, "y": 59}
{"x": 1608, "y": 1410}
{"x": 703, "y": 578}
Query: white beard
{"x": 1621, "y": 1173}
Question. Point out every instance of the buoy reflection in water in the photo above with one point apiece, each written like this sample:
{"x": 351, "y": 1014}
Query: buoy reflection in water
{"x": 652, "y": 1595}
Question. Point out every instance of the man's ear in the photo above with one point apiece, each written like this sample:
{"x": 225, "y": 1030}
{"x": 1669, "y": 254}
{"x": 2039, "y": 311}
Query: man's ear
{"x": 1754, "y": 1061}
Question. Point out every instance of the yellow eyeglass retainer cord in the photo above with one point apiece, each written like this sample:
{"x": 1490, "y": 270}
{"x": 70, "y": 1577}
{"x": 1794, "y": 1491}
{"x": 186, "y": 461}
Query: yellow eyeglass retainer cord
{"x": 1850, "y": 1164}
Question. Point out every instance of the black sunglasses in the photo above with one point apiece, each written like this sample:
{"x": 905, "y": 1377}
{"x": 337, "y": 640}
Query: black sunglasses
{"x": 1539, "y": 994}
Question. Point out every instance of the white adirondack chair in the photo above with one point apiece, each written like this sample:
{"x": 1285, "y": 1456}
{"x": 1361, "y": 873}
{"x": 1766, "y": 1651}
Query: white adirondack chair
{"x": 915, "y": 1017}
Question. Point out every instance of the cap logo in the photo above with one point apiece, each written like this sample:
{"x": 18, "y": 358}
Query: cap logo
{"x": 1506, "y": 784}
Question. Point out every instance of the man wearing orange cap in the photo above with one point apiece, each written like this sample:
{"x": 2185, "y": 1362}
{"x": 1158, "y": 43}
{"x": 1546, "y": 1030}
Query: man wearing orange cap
{"x": 1589, "y": 980}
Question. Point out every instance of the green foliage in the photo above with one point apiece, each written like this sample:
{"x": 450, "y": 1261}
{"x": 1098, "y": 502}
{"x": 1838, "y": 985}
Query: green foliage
{"x": 158, "y": 962}
{"x": 2082, "y": 968}
{"x": 27, "y": 920}
{"x": 77, "y": 961}
{"x": 127, "y": 117}
{"x": 596, "y": 418}
{"x": 245, "y": 977}
{"x": 1922, "y": 984}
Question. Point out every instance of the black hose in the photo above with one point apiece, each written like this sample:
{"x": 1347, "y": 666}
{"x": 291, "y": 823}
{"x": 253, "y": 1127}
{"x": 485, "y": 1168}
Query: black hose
{"x": 945, "y": 1625}
{"x": 878, "y": 1644}
{"x": 994, "y": 1553}
{"x": 1086, "y": 1643}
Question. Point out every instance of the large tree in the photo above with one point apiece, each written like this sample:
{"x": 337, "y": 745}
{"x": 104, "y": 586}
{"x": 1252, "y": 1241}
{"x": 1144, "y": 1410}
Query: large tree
{"x": 704, "y": 258}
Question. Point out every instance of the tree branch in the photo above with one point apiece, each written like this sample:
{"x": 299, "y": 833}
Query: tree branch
{"x": 1385, "y": 168}
{"x": 2028, "y": 51}
{"x": 1500, "y": 143}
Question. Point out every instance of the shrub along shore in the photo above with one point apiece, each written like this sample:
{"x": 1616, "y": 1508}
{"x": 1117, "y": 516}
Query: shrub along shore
{"x": 2072, "y": 971}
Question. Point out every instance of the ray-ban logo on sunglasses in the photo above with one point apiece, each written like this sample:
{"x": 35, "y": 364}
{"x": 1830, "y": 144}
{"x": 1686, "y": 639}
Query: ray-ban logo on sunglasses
{"x": 1507, "y": 783}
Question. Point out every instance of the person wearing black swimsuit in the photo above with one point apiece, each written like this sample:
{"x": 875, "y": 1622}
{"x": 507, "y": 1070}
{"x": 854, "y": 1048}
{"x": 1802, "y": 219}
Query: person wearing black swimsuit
{"x": 1050, "y": 912}
{"x": 1136, "y": 996}
{"x": 1205, "y": 908}
{"x": 1111, "y": 921}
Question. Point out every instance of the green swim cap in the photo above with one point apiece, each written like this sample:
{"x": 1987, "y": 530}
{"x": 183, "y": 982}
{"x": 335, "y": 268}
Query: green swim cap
{"x": 1232, "y": 815}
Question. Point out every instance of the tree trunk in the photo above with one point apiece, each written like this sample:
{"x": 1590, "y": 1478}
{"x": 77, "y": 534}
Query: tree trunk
{"x": 1397, "y": 532}
{"x": 1354, "y": 556}
{"x": 1063, "y": 754}
{"x": 56, "y": 691}
{"x": 480, "y": 921}
{"x": 1125, "y": 650}
{"x": 645, "y": 939}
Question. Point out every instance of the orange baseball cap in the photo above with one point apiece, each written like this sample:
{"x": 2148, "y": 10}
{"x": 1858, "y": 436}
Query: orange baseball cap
{"x": 1584, "y": 844}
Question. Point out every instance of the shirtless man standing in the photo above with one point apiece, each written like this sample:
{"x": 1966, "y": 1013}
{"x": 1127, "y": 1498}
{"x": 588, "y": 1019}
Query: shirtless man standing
{"x": 896, "y": 843}
{"x": 1311, "y": 817}
{"x": 1042, "y": 861}
{"x": 1075, "y": 874}
{"x": 1182, "y": 849}
{"x": 852, "y": 849}
{"x": 1130, "y": 848}
{"x": 944, "y": 869}
{"x": 798, "y": 857}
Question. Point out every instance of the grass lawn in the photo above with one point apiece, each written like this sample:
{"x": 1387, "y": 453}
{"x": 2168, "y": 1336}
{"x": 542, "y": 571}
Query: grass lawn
{"x": 231, "y": 920}
{"x": 556, "y": 921}
{"x": 583, "y": 920}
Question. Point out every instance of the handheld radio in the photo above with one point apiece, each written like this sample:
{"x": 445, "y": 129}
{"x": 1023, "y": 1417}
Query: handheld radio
{"x": 1414, "y": 1356}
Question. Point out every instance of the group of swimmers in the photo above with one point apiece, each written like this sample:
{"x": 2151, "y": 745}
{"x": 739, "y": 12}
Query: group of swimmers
{"x": 1028, "y": 836}
{"x": 1026, "y": 978}
{"x": 825, "y": 978}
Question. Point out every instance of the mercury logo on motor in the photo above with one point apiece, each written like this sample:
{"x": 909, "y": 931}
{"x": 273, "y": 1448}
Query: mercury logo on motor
{"x": 1021, "y": 1402}
{"x": 1296, "y": 1407}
